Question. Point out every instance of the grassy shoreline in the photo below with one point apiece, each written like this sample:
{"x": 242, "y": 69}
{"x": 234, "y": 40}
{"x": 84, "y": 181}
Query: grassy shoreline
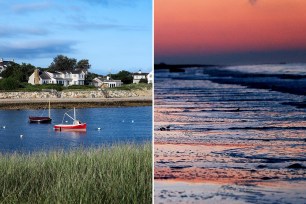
{"x": 117, "y": 174}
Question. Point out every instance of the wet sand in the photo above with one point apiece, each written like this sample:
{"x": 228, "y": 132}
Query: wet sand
{"x": 219, "y": 142}
{"x": 174, "y": 191}
{"x": 74, "y": 102}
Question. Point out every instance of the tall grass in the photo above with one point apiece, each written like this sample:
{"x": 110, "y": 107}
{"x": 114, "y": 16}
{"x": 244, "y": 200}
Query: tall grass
{"x": 118, "y": 174}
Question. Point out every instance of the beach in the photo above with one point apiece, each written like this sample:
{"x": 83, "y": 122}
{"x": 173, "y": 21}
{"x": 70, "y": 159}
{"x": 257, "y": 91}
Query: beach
{"x": 223, "y": 135}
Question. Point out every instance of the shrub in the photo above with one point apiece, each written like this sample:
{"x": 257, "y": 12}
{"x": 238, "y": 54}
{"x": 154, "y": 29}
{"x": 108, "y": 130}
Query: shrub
{"x": 134, "y": 87}
{"x": 9, "y": 84}
{"x": 29, "y": 87}
{"x": 143, "y": 81}
{"x": 81, "y": 87}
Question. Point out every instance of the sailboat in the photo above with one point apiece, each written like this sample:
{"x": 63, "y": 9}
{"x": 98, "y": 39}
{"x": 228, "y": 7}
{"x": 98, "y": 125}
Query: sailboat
{"x": 76, "y": 125}
{"x": 40, "y": 119}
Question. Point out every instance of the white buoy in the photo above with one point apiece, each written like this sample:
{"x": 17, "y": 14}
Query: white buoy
{"x": 99, "y": 129}
{"x": 132, "y": 121}
{"x": 3, "y": 127}
{"x": 21, "y": 136}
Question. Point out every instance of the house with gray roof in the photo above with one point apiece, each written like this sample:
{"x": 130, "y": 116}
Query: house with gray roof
{"x": 68, "y": 78}
{"x": 106, "y": 82}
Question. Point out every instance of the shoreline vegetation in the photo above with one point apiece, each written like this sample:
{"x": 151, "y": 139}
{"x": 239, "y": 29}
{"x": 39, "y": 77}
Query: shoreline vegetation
{"x": 116, "y": 174}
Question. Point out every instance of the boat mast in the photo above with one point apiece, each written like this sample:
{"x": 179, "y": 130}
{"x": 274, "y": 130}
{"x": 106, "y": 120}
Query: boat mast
{"x": 49, "y": 110}
{"x": 74, "y": 113}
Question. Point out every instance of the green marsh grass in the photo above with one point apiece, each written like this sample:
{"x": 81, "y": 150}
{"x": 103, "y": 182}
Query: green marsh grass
{"x": 117, "y": 174}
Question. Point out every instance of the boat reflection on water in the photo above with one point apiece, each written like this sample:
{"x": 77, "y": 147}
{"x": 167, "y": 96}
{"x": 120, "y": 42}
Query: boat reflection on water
{"x": 72, "y": 133}
{"x": 81, "y": 131}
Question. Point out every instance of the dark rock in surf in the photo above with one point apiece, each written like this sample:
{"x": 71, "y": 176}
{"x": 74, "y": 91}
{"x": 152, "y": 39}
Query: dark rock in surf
{"x": 180, "y": 167}
{"x": 168, "y": 128}
{"x": 296, "y": 166}
{"x": 165, "y": 128}
{"x": 266, "y": 178}
{"x": 176, "y": 70}
{"x": 269, "y": 178}
{"x": 261, "y": 166}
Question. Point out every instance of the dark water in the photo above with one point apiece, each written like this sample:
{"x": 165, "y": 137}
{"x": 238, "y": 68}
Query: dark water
{"x": 117, "y": 125}
{"x": 233, "y": 136}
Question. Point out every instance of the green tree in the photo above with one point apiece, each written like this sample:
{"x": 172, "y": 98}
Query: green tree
{"x": 18, "y": 72}
{"x": 26, "y": 71}
{"x": 89, "y": 77}
{"x": 63, "y": 63}
{"x": 9, "y": 84}
{"x": 83, "y": 64}
{"x": 125, "y": 76}
{"x": 13, "y": 71}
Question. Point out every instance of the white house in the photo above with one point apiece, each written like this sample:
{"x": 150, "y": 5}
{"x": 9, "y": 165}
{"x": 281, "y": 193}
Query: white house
{"x": 150, "y": 77}
{"x": 4, "y": 64}
{"x": 68, "y": 78}
{"x": 138, "y": 76}
{"x": 105, "y": 82}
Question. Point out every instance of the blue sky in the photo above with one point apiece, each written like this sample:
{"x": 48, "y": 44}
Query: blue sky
{"x": 113, "y": 34}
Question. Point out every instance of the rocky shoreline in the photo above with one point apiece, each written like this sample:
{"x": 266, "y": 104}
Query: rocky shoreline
{"x": 53, "y": 94}
{"x": 78, "y": 99}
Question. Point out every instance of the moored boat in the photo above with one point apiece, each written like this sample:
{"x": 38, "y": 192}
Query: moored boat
{"x": 34, "y": 119}
{"x": 76, "y": 125}
{"x": 41, "y": 119}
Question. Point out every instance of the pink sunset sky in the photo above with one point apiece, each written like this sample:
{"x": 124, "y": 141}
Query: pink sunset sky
{"x": 230, "y": 31}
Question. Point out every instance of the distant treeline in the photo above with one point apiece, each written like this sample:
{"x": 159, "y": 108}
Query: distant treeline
{"x": 16, "y": 75}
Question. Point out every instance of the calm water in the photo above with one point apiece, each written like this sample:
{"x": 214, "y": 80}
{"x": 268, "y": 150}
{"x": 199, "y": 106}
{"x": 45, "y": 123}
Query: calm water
{"x": 228, "y": 142}
{"x": 117, "y": 125}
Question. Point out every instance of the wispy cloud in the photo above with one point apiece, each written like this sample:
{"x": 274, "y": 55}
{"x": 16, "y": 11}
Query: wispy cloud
{"x": 102, "y": 26}
{"x": 81, "y": 23}
{"x": 36, "y": 49}
{"x": 9, "y": 31}
{"x": 31, "y": 7}
{"x": 112, "y": 2}
{"x": 253, "y": 2}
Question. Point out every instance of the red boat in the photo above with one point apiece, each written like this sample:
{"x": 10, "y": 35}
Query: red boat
{"x": 76, "y": 125}
{"x": 41, "y": 119}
